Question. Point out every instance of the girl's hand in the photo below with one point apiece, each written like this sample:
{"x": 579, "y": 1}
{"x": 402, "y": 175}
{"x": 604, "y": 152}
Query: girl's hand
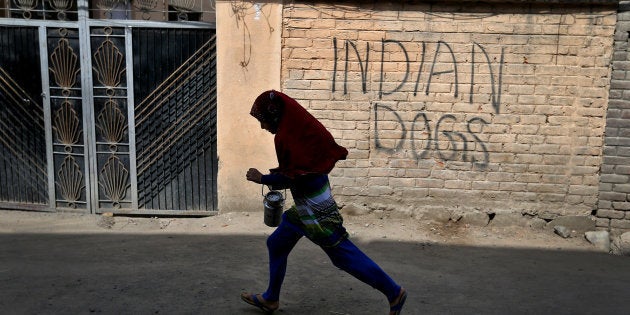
{"x": 254, "y": 175}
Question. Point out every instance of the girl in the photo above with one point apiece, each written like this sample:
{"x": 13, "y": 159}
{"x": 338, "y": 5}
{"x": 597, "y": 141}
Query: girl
{"x": 306, "y": 153}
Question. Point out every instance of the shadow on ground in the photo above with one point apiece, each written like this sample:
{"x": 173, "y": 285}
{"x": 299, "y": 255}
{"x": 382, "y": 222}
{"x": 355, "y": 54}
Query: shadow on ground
{"x": 204, "y": 274}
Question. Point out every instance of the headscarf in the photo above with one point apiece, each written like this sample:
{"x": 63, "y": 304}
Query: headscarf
{"x": 268, "y": 108}
{"x": 303, "y": 145}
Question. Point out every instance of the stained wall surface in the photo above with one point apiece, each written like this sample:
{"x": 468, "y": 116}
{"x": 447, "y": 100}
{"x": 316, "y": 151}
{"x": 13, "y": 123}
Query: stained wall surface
{"x": 248, "y": 62}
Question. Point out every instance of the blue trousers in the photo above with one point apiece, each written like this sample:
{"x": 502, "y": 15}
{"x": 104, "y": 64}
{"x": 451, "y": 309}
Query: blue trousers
{"x": 345, "y": 256}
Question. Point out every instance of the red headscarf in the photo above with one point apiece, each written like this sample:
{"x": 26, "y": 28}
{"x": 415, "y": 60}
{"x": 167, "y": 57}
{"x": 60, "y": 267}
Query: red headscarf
{"x": 303, "y": 145}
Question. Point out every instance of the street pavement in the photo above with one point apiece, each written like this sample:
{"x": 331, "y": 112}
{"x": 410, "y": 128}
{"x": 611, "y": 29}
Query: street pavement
{"x": 204, "y": 273}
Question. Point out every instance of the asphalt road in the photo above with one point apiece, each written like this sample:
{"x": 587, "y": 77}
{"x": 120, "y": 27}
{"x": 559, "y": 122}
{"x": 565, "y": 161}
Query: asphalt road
{"x": 117, "y": 273}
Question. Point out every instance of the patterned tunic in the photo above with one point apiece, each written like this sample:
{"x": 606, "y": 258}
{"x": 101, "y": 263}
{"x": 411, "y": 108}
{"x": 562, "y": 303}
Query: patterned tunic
{"x": 315, "y": 211}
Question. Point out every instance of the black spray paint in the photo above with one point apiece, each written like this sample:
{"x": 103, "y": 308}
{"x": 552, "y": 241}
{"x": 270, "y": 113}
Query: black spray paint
{"x": 458, "y": 141}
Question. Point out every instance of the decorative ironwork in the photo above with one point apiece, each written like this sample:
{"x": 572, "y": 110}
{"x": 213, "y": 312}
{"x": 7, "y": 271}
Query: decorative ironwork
{"x": 67, "y": 125}
{"x": 22, "y": 122}
{"x": 145, "y": 6}
{"x": 70, "y": 181}
{"x": 109, "y": 5}
{"x": 112, "y": 123}
{"x": 79, "y": 170}
{"x": 27, "y": 6}
{"x": 61, "y": 6}
{"x": 68, "y": 10}
{"x": 114, "y": 180}
{"x": 188, "y": 97}
{"x": 183, "y": 7}
{"x": 109, "y": 65}
{"x": 23, "y": 164}
{"x": 64, "y": 65}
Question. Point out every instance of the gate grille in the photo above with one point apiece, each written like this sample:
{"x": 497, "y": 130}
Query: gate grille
{"x": 108, "y": 106}
{"x": 23, "y": 175}
{"x": 66, "y": 111}
{"x": 175, "y": 119}
{"x": 98, "y": 117}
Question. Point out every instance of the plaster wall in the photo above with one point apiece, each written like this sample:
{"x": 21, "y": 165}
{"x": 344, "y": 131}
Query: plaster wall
{"x": 248, "y": 62}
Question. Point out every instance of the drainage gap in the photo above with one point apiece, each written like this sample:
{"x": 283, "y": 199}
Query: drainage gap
{"x": 491, "y": 216}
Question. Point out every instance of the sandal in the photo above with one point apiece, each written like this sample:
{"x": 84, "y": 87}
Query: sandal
{"x": 258, "y": 301}
{"x": 394, "y": 309}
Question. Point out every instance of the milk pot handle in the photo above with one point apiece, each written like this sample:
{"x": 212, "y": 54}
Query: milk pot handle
{"x": 262, "y": 191}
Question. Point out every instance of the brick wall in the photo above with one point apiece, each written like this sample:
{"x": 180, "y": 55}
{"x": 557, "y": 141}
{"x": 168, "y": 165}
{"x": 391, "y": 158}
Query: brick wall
{"x": 614, "y": 188}
{"x": 470, "y": 106}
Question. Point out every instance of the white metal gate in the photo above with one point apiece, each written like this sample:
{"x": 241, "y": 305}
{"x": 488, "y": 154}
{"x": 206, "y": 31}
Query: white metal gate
{"x": 122, "y": 118}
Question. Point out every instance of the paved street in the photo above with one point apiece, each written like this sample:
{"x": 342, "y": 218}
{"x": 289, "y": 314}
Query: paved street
{"x": 118, "y": 272}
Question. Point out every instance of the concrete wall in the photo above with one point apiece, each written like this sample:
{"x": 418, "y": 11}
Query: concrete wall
{"x": 248, "y": 62}
{"x": 460, "y": 106}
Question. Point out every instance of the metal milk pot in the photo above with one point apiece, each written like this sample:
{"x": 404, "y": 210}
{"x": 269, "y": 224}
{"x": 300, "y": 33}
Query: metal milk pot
{"x": 273, "y": 202}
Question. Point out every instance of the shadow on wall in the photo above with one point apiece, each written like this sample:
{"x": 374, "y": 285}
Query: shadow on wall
{"x": 195, "y": 274}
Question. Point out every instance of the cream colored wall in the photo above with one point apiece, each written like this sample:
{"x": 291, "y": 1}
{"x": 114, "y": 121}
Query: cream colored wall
{"x": 451, "y": 108}
{"x": 248, "y": 62}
